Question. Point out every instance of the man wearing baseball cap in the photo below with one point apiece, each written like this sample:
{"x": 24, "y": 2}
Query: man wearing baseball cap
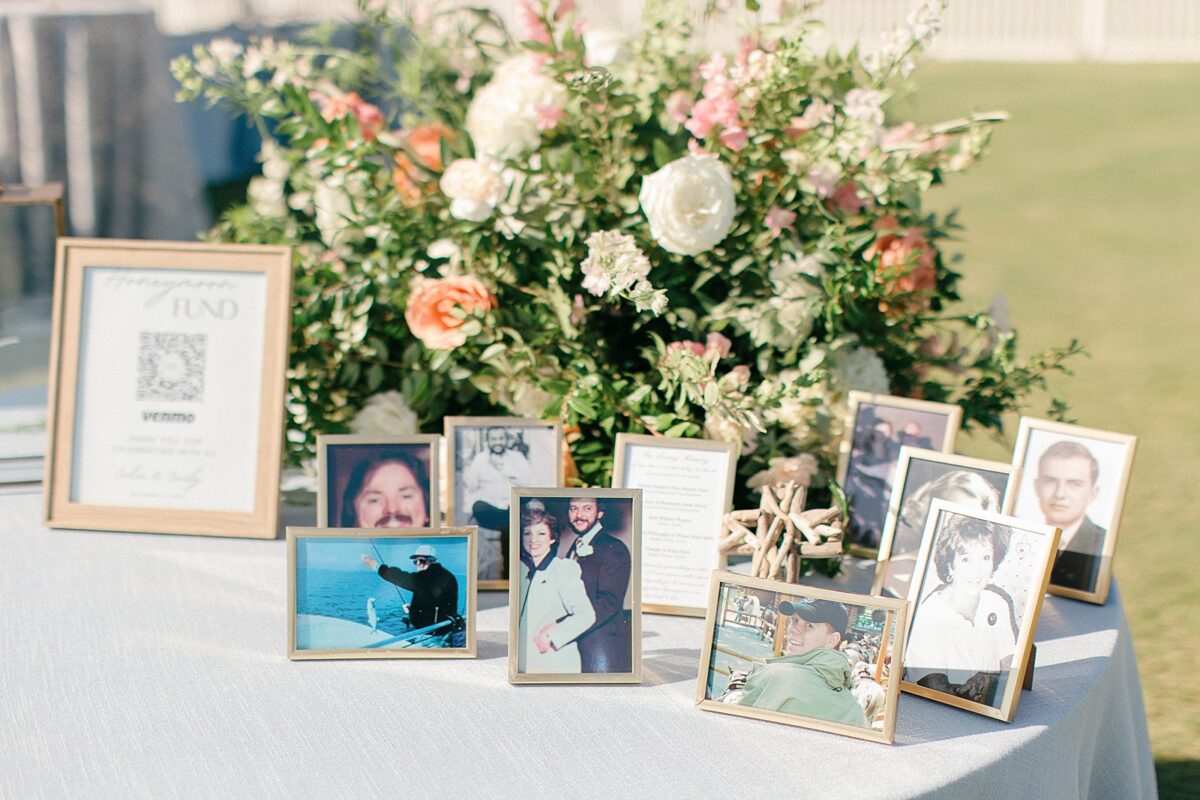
{"x": 811, "y": 678}
{"x": 434, "y": 589}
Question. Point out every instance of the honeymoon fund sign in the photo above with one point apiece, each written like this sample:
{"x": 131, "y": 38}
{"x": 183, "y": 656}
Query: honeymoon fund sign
{"x": 170, "y": 369}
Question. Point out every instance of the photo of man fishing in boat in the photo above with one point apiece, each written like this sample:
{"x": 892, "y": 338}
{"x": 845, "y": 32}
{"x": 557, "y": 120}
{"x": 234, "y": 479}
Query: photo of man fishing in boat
{"x": 409, "y": 591}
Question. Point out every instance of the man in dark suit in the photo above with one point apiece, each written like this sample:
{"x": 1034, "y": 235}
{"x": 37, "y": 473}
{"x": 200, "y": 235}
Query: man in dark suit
{"x": 604, "y": 561}
{"x": 1066, "y": 484}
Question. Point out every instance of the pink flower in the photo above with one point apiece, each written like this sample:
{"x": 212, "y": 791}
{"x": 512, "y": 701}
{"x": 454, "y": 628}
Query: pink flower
{"x": 697, "y": 149}
{"x": 430, "y": 310}
{"x": 714, "y": 67}
{"x": 548, "y": 116}
{"x": 369, "y": 117}
{"x": 679, "y": 105}
{"x": 695, "y": 348}
{"x": 824, "y": 178}
{"x": 716, "y": 343}
{"x": 899, "y": 136}
{"x": 564, "y": 7}
{"x": 533, "y": 27}
{"x": 845, "y": 198}
{"x": 734, "y": 138}
{"x": 778, "y": 219}
{"x": 740, "y": 376}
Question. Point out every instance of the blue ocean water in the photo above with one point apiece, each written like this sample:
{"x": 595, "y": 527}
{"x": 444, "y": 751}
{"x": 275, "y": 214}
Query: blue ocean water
{"x": 331, "y": 580}
{"x": 739, "y": 639}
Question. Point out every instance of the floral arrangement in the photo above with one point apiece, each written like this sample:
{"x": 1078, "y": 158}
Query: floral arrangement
{"x": 629, "y": 234}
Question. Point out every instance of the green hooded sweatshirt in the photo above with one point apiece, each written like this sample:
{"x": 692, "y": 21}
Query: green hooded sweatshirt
{"x": 815, "y": 684}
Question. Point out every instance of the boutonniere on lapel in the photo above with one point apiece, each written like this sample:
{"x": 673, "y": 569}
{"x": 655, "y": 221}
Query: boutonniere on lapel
{"x": 582, "y": 549}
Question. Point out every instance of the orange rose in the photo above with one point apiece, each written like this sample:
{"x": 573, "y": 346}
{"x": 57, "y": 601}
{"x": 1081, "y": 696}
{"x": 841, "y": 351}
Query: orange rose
{"x": 409, "y": 178}
{"x": 430, "y": 312}
{"x": 906, "y": 261}
{"x": 426, "y": 143}
{"x": 404, "y": 176}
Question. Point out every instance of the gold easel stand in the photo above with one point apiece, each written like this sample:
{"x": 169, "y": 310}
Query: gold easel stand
{"x": 50, "y": 194}
{"x": 779, "y": 533}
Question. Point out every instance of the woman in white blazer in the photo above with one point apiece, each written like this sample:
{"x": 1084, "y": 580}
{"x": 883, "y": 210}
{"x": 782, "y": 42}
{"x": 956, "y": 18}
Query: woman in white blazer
{"x": 555, "y": 609}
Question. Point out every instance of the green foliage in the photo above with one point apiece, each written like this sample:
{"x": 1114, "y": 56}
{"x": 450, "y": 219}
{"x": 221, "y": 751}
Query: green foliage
{"x": 831, "y": 276}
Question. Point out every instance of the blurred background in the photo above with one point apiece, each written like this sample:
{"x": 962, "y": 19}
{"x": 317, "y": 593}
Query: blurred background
{"x": 1083, "y": 221}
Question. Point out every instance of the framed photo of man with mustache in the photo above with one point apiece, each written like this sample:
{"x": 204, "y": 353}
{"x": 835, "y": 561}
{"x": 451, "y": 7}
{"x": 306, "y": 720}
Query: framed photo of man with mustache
{"x": 575, "y": 610}
{"x": 378, "y": 481}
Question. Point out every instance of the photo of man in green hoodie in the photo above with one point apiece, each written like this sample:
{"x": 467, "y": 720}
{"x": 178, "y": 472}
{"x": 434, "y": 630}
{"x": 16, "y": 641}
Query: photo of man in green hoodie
{"x": 812, "y": 678}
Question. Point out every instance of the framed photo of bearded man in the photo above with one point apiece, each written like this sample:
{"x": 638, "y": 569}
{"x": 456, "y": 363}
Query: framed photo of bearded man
{"x": 575, "y": 608}
{"x": 368, "y": 481}
{"x": 1075, "y": 478}
{"x": 485, "y": 458}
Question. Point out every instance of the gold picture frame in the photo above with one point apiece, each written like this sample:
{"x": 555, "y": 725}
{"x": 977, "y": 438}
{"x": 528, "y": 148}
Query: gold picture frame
{"x": 634, "y": 499}
{"x": 328, "y": 473}
{"x": 962, "y": 464}
{"x": 452, "y": 425}
{"x": 202, "y": 283}
{"x": 729, "y": 451}
{"x": 1118, "y": 460}
{"x": 857, "y": 402}
{"x": 341, "y": 629}
{"x": 1040, "y": 542}
{"x": 879, "y": 722}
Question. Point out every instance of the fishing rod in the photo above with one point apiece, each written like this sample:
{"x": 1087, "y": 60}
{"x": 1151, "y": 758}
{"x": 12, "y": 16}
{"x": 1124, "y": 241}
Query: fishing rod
{"x": 382, "y": 562}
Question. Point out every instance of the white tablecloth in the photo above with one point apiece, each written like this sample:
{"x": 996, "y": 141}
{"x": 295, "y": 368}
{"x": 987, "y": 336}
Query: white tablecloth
{"x": 154, "y": 666}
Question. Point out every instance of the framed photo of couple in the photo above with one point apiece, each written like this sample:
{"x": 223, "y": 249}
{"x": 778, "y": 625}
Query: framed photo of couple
{"x": 372, "y": 593}
{"x": 367, "y": 481}
{"x": 975, "y": 598}
{"x": 802, "y": 656}
{"x": 575, "y": 586}
{"x": 877, "y": 426}
{"x": 1075, "y": 478}
{"x": 488, "y": 456}
{"x": 166, "y": 387}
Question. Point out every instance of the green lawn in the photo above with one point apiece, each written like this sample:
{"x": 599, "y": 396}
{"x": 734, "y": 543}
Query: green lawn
{"x": 1085, "y": 215}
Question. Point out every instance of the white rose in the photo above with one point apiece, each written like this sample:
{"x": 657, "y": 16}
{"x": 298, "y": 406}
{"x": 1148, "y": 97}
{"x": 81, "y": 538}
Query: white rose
{"x": 861, "y": 369}
{"x": 333, "y": 210}
{"x": 604, "y": 46}
{"x": 503, "y": 116}
{"x": 474, "y": 187}
{"x": 385, "y": 414}
{"x": 689, "y": 204}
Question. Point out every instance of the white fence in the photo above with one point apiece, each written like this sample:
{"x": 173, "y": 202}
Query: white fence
{"x": 975, "y": 30}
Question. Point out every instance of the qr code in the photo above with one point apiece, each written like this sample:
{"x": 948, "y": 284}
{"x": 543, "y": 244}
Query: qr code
{"x": 171, "y": 367}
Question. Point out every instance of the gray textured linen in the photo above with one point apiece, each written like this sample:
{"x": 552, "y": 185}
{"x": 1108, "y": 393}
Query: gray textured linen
{"x": 154, "y": 666}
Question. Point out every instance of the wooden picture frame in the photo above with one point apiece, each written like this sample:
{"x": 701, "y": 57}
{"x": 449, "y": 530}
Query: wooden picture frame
{"x": 875, "y": 491}
{"x": 1087, "y": 573}
{"x": 154, "y": 348}
{"x": 1007, "y": 608}
{"x": 563, "y": 586}
{"x": 705, "y": 503}
{"x": 770, "y": 636}
{"x": 490, "y": 547}
{"x": 990, "y": 484}
{"x": 456, "y": 545}
{"x": 340, "y": 456}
